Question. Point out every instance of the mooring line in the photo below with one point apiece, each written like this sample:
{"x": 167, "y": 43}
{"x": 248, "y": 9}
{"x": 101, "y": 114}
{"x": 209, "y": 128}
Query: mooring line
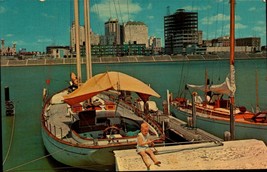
{"x": 11, "y": 140}
{"x": 37, "y": 159}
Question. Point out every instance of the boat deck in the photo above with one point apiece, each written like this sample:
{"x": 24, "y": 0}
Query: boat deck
{"x": 59, "y": 124}
{"x": 59, "y": 116}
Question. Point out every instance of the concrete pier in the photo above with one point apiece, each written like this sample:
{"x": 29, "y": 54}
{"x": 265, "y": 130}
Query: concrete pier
{"x": 234, "y": 155}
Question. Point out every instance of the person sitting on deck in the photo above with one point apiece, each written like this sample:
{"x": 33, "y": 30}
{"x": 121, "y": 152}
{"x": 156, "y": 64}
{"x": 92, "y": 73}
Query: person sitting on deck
{"x": 143, "y": 143}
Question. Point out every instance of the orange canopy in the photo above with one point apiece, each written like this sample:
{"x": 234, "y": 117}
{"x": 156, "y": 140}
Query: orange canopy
{"x": 107, "y": 81}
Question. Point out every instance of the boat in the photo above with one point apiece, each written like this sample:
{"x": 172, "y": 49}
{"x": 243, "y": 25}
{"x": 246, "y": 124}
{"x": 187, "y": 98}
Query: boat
{"x": 84, "y": 123}
{"x": 212, "y": 108}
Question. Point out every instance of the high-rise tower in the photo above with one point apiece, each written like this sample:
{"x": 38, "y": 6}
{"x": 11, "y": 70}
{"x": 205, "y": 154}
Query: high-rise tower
{"x": 180, "y": 30}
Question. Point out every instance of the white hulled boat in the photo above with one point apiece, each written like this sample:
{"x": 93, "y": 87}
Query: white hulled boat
{"x": 220, "y": 116}
{"x": 84, "y": 123}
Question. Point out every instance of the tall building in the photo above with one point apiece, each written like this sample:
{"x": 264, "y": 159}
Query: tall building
{"x": 95, "y": 39}
{"x": 135, "y": 33}
{"x": 156, "y": 46}
{"x": 72, "y": 36}
{"x": 150, "y": 41}
{"x": 112, "y": 32}
{"x": 180, "y": 31}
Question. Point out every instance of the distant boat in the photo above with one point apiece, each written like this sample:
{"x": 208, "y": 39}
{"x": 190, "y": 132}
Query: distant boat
{"x": 217, "y": 115}
{"x": 85, "y": 122}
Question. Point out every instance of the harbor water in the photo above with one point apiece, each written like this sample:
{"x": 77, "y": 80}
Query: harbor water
{"x": 23, "y": 148}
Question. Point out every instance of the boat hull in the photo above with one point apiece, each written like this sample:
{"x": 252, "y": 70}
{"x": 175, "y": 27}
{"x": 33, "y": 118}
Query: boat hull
{"x": 219, "y": 127}
{"x": 100, "y": 159}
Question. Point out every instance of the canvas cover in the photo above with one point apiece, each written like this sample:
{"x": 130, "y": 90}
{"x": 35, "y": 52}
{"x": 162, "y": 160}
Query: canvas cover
{"x": 106, "y": 81}
{"x": 224, "y": 88}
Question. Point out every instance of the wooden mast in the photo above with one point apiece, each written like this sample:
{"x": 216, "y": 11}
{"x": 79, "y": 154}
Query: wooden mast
{"x": 77, "y": 41}
{"x": 232, "y": 69}
{"x": 257, "y": 93}
{"x": 87, "y": 39}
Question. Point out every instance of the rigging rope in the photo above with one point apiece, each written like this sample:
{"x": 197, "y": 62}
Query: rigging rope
{"x": 120, "y": 11}
{"x": 34, "y": 160}
{"x": 115, "y": 9}
{"x": 98, "y": 13}
{"x": 109, "y": 9}
{"x": 128, "y": 21}
{"x": 11, "y": 140}
{"x": 222, "y": 22}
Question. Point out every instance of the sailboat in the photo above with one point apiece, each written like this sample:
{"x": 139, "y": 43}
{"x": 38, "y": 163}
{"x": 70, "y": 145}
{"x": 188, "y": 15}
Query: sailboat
{"x": 85, "y": 122}
{"x": 214, "y": 113}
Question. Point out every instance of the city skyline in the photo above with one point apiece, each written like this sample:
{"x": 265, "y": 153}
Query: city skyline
{"x": 33, "y": 24}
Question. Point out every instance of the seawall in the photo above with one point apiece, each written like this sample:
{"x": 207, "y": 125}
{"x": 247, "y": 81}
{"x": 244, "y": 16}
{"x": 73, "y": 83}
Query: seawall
{"x": 11, "y": 61}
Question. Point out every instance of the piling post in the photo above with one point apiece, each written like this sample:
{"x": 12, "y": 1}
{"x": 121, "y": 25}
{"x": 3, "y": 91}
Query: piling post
{"x": 194, "y": 94}
{"x": 10, "y": 109}
{"x": 7, "y": 94}
{"x": 165, "y": 107}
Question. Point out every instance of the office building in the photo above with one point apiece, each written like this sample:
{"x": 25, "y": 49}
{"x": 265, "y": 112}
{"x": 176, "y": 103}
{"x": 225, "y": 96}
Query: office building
{"x": 112, "y": 32}
{"x": 180, "y": 31}
{"x": 135, "y": 33}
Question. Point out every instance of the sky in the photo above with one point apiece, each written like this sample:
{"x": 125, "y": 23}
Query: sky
{"x": 33, "y": 24}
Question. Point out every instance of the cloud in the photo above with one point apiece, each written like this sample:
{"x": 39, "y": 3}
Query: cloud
{"x": 252, "y": 9}
{"x": 45, "y": 40}
{"x": 217, "y": 18}
{"x": 9, "y": 35}
{"x": 149, "y": 7}
{"x": 212, "y": 19}
{"x": 48, "y": 16}
{"x": 260, "y": 28}
{"x": 261, "y": 23}
{"x": 240, "y": 26}
{"x": 2, "y": 10}
{"x": 150, "y": 17}
{"x": 237, "y": 26}
{"x": 20, "y": 42}
{"x": 196, "y": 8}
{"x": 118, "y": 9}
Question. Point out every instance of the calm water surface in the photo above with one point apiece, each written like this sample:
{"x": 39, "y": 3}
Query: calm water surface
{"x": 26, "y": 83}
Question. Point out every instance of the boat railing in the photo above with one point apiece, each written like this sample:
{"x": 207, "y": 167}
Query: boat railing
{"x": 54, "y": 130}
{"x": 102, "y": 141}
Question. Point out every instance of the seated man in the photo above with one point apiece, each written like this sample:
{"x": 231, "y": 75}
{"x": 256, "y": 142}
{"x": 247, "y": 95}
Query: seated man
{"x": 143, "y": 143}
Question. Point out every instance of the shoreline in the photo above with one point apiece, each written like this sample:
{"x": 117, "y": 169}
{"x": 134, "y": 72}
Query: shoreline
{"x": 121, "y": 60}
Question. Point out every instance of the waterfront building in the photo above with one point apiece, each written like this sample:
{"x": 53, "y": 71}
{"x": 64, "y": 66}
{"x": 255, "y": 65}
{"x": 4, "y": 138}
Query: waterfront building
{"x": 95, "y": 39}
{"x": 223, "y": 41}
{"x": 58, "y": 51}
{"x": 7, "y": 51}
{"x": 135, "y": 33}
{"x": 150, "y": 41}
{"x": 180, "y": 30}
{"x": 254, "y": 42}
{"x": 119, "y": 50}
{"x": 72, "y": 36}
{"x": 222, "y": 44}
{"x": 112, "y": 32}
{"x": 200, "y": 37}
{"x": 156, "y": 46}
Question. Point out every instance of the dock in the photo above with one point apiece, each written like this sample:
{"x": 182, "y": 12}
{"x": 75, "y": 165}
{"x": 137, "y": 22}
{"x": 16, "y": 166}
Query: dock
{"x": 182, "y": 129}
{"x": 227, "y": 155}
